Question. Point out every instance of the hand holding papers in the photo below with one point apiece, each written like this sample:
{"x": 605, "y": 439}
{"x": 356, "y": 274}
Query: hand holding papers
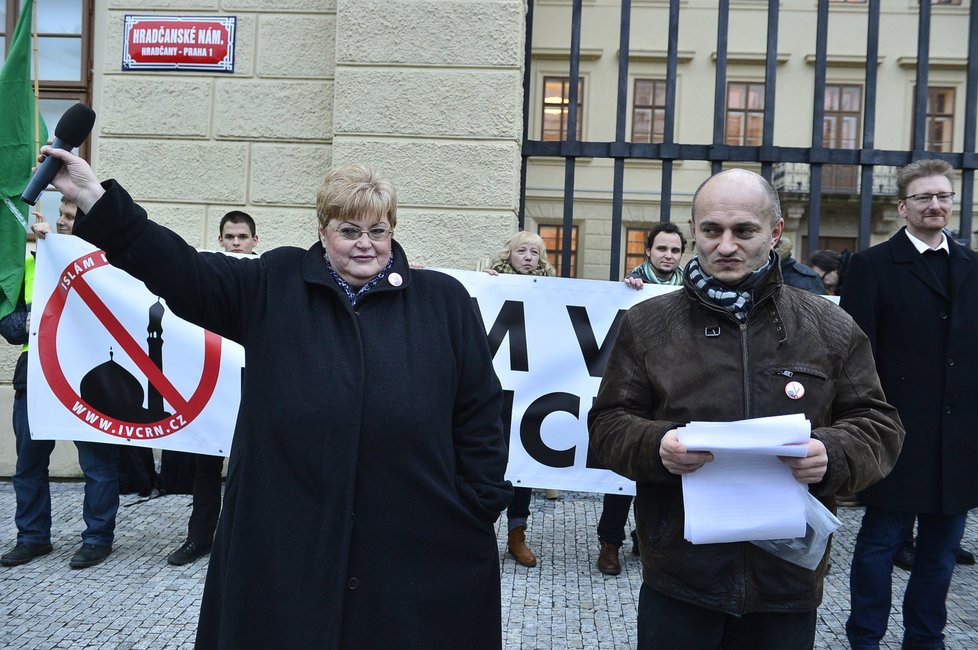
{"x": 746, "y": 493}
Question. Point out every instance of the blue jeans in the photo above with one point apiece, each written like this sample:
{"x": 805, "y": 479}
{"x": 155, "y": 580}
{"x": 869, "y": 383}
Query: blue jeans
{"x": 924, "y": 609}
{"x": 32, "y": 489}
{"x": 666, "y": 623}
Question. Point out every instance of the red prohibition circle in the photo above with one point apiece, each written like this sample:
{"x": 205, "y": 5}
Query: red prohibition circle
{"x": 185, "y": 411}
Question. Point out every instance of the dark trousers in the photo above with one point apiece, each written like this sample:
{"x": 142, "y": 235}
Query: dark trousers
{"x": 519, "y": 508}
{"x": 924, "y": 609}
{"x": 665, "y": 623}
{"x": 614, "y": 517}
{"x": 207, "y": 499}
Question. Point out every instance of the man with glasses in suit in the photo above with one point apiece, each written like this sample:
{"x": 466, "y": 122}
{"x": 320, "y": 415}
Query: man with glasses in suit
{"x": 916, "y": 298}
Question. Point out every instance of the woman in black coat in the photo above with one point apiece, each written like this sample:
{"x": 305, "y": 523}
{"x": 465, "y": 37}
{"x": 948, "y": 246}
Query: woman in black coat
{"x": 367, "y": 466}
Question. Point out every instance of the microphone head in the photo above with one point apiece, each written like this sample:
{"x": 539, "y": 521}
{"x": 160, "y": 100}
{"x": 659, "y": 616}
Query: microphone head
{"x": 75, "y": 125}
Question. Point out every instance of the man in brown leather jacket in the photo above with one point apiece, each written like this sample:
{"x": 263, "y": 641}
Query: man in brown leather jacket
{"x": 724, "y": 349}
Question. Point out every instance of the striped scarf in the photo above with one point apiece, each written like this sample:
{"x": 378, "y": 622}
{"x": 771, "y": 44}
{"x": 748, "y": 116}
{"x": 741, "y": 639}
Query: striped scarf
{"x": 737, "y": 300}
{"x": 646, "y": 271}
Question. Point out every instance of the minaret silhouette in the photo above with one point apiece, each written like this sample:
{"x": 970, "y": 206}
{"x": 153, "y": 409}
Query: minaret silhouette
{"x": 154, "y": 342}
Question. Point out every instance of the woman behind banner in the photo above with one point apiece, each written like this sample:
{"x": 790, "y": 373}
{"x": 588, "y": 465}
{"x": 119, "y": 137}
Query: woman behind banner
{"x": 368, "y": 458}
{"x": 525, "y": 254}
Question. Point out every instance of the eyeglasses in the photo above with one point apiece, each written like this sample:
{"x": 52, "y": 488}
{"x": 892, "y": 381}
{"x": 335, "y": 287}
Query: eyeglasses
{"x": 927, "y": 197}
{"x": 352, "y": 233}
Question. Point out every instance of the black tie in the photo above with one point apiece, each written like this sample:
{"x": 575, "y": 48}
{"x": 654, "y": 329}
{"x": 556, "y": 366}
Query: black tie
{"x": 937, "y": 260}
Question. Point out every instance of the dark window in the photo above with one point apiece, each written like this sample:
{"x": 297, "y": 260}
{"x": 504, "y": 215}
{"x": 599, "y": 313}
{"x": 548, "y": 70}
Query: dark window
{"x": 837, "y": 244}
{"x": 649, "y": 111}
{"x": 553, "y": 237}
{"x": 841, "y": 130}
{"x": 940, "y": 119}
{"x": 556, "y": 105}
{"x": 634, "y": 248}
{"x": 64, "y": 61}
{"x": 745, "y": 113}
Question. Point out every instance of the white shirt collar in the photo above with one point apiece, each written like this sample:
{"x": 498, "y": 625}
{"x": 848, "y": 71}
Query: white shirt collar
{"x": 921, "y": 246}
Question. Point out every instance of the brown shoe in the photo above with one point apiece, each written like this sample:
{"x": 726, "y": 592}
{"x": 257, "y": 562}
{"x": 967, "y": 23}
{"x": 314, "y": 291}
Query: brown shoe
{"x": 608, "y": 562}
{"x": 516, "y": 546}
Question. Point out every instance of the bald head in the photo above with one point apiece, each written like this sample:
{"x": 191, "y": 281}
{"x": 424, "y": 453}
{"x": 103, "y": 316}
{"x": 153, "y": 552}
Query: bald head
{"x": 746, "y": 182}
{"x": 736, "y": 222}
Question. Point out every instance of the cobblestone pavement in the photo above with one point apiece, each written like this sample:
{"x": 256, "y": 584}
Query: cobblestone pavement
{"x": 136, "y": 600}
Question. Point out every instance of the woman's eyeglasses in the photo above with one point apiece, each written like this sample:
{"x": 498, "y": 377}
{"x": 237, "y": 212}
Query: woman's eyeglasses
{"x": 352, "y": 233}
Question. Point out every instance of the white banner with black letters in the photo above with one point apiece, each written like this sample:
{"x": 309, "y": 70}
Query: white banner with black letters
{"x": 110, "y": 363}
{"x": 551, "y": 339}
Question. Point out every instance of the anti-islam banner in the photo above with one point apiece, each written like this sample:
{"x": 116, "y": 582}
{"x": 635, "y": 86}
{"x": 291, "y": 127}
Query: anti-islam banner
{"x": 108, "y": 361}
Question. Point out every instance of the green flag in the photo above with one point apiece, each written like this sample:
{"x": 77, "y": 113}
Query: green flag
{"x": 18, "y": 155}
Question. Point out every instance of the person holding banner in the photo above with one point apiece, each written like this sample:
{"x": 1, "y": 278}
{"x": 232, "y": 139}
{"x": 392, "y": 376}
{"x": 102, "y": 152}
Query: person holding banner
{"x": 735, "y": 343}
{"x": 664, "y": 248}
{"x": 525, "y": 254}
{"x": 237, "y": 233}
{"x": 98, "y": 461}
{"x": 368, "y": 459}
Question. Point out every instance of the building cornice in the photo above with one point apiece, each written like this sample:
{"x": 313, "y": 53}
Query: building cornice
{"x": 843, "y": 60}
{"x": 934, "y": 62}
{"x": 750, "y": 58}
{"x": 563, "y": 54}
{"x": 657, "y": 56}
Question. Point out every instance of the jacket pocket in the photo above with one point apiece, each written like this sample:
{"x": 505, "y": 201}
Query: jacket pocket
{"x": 795, "y": 388}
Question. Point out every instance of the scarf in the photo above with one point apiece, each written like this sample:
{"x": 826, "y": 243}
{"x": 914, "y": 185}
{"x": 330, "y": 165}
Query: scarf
{"x": 737, "y": 300}
{"x": 503, "y": 266}
{"x": 355, "y": 295}
{"x": 646, "y": 271}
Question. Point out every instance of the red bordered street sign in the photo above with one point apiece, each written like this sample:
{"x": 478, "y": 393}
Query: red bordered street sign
{"x": 195, "y": 43}
{"x": 184, "y": 410}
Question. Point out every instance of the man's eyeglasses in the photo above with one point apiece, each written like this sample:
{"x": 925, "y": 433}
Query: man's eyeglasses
{"x": 927, "y": 197}
{"x": 351, "y": 233}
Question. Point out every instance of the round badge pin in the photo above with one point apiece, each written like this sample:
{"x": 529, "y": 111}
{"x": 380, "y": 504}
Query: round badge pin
{"x": 395, "y": 279}
{"x": 794, "y": 390}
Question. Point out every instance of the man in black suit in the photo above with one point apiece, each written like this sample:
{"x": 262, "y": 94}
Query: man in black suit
{"x": 916, "y": 297}
{"x": 237, "y": 234}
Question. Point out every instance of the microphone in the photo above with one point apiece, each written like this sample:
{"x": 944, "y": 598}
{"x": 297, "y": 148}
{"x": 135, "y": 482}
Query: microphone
{"x": 73, "y": 127}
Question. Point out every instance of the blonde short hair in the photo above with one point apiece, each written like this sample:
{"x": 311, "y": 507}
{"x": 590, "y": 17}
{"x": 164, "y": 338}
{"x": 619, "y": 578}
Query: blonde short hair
{"x": 352, "y": 192}
{"x": 524, "y": 237}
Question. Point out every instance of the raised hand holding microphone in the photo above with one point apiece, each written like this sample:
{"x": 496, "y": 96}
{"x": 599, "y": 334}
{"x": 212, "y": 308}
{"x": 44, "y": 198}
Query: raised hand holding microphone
{"x": 74, "y": 178}
{"x": 73, "y": 128}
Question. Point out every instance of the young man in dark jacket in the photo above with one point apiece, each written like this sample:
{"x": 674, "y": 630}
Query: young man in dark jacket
{"x": 733, "y": 345}
{"x": 236, "y": 234}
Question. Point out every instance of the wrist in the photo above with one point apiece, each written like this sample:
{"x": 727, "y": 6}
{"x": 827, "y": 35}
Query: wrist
{"x": 89, "y": 196}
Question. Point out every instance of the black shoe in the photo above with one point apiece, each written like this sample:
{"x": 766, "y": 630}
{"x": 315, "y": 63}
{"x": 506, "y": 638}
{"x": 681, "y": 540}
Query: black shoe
{"x": 187, "y": 553}
{"x": 964, "y": 557}
{"x": 903, "y": 558}
{"x": 89, "y": 555}
{"x": 22, "y": 553}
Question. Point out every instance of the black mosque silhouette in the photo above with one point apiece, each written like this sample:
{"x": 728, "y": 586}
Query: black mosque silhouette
{"x": 114, "y": 391}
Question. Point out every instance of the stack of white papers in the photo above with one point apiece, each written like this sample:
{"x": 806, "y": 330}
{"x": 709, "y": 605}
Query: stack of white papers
{"x": 746, "y": 493}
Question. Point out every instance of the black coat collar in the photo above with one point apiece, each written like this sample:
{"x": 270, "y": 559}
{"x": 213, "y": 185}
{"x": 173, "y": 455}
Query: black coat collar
{"x": 314, "y": 269}
{"x": 961, "y": 264}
